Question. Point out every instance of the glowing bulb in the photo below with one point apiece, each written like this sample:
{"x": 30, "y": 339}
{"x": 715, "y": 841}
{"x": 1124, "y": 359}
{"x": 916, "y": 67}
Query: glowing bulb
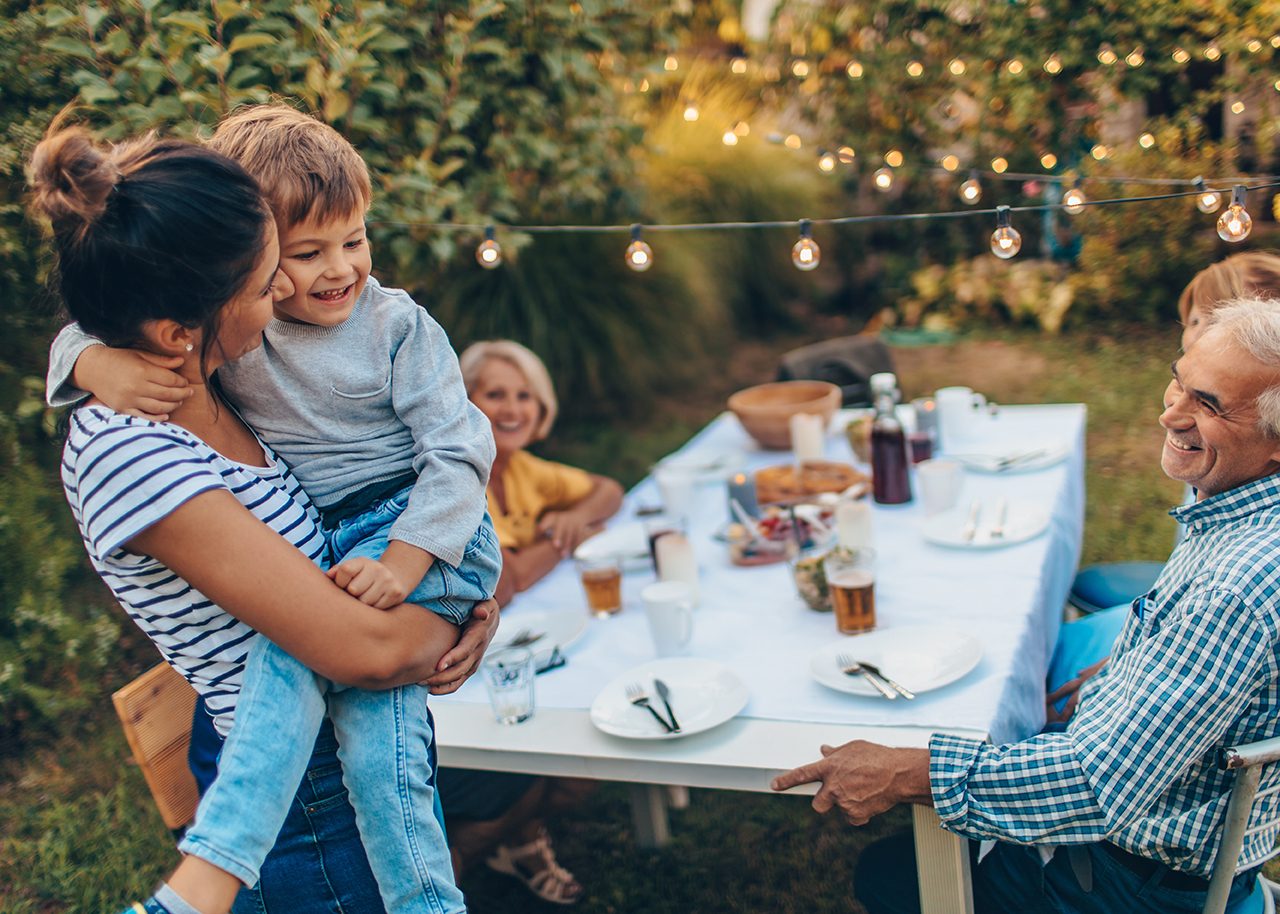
{"x": 1275, "y": 41}
{"x": 1147, "y": 140}
{"x": 893, "y": 158}
{"x": 1107, "y": 57}
{"x": 1005, "y": 240}
{"x": 854, "y": 70}
{"x": 671, "y": 64}
{"x": 1099, "y": 152}
{"x": 883, "y": 179}
{"x": 1135, "y": 58}
{"x": 800, "y": 69}
{"x": 827, "y": 162}
{"x": 1048, "y": 160}
{"x": 644, "y": 85}
{"x": 488, "y": 252}
{"x": 805, "y": 253}
{"x": 742, "y": 128}
{"x": 1212, "y": 52}
{"x": 1014, "y": 66}
{"x": 1235, "y": 224}
{"x": 1237, "y": 107}
{"x": 738, "y": 65}
{"x": 846, "y": 155}
{"x": 957, "y": 67}
{"x": 950, "y": 162}
{"x": 792, "y": 141}
{"x": 690, "y": 113}
{"x": 1073, "y": 201}
{"x": 999, "y": 165}
{"x": 971, "y": 190}
{"x": 1254, "y": 46}
{"x": 639, "y": 255}
{"x": 914, "y": 69}
{"x": 1180, "y": 56}
{"x": 730, "y": 138}
{"x": 1053, "y": 66}
{"x": 1207, "y": 201}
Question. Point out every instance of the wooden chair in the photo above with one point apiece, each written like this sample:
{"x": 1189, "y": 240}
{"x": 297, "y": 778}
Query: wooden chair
{"x": 1246, "y": 761}
{"x": 155, "y": 711}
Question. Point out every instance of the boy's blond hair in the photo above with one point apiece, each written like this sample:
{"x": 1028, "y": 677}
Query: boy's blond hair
{"x": 307, "y": 170}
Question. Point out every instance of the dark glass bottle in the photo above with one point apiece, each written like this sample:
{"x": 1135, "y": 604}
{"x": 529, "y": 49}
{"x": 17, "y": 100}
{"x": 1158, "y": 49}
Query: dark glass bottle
{"x": 890, "y": 482}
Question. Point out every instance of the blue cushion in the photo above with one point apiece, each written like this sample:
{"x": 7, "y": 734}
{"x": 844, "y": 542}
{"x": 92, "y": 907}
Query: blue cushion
{"x": 1101, "y": 586}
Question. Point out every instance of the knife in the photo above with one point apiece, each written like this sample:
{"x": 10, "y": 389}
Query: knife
{"x": 665, "y": 694}
{"x": 970, "y": 529}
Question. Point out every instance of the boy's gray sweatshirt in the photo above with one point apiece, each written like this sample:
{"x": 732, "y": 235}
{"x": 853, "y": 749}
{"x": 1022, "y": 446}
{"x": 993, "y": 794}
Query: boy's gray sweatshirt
{"x": 346, "y": 407}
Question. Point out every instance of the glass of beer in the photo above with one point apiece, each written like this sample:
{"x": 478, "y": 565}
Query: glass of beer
{"x": 602, "y": 582}
{"x": 851, "y": 582}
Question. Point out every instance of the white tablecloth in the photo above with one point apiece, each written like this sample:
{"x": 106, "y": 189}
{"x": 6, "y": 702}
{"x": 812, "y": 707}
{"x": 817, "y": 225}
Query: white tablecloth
{"x": 751, "y": 619}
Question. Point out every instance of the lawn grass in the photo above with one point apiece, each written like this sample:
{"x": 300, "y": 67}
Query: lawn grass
{"x": 78, "y": 832}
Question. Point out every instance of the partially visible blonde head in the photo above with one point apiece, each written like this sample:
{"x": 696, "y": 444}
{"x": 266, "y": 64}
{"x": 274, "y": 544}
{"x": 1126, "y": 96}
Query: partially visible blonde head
{"x": 477, "y": 355}
{"x": 1250, "y": 274}
{"x": 308, "y": 171}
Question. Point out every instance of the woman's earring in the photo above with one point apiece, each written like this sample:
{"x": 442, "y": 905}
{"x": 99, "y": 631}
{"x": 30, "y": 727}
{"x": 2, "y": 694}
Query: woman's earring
{"x": 190, "y": 347}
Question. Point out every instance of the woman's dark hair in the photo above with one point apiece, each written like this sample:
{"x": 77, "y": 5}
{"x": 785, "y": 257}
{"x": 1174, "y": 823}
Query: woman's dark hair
{"x": 147, "y": 230}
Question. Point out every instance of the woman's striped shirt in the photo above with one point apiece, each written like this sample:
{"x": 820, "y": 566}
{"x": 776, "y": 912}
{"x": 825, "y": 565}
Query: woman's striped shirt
{"x": 121, "y": 475}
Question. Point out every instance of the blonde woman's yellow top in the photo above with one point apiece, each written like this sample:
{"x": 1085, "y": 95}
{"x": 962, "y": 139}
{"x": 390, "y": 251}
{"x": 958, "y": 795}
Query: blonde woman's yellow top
{"x": 532, "y": 487}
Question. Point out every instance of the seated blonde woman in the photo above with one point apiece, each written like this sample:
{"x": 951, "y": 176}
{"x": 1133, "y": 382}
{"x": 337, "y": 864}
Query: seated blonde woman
{"x": 541, "y": 511}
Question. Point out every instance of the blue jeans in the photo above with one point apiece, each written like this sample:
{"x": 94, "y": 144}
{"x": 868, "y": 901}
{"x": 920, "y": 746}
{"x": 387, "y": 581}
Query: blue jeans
{"x": 1011, "y": 880}
{"x": 385, "y": 743}
{"x": 445, "y": 590}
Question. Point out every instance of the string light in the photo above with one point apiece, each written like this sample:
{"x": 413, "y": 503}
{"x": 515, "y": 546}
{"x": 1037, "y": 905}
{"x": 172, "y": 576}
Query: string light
{"x": 957, "y": 67}
{"x": 1147, "y": 140}
{"x": 854, "y": 70}
{"x": 730, "y": 138}
{"x": 1135, "y": 58}
{"x": 1235, "y": 224}
{"x": 1099, "y": 152}
{"x": 915, "y": 69}
{"x": 690, "y": 112}
{"x": 1014, "y": 66}
{"x": 741, "y": 129}
{"x": 738, "y": 65}
{"x": 800, "y": 69}
{"x": 1048, "y": 161}
{"x": 826, "y": 162}
{"x": 1073, "y": 201}
{"x": 1180, "y": 56}
{"x": 671, "y": 64}
{"x": 1237, "y": 107}
{"x": 1212, "y": 52}
{"x": 883, "y": 179}
{"x": 805, "y": 253}
{"x": 999, "y": 165}
{"x": 1275, "y": 41}
{"x": 971, "y": 190}
{"x": 893, "y": 158}
{"x": 792, "y": 141}
{"x": 1006, "y": 242}
{"x": 1254, "y": 46}
{"x": 846, "y": 155}
{"x": 1053, "y": 66}
{"x": 639, "y": 255}
{"x": 489, "y": 252}
{"x": 1207, "y": 201}
{"x": 950, "y": 162}
{"x": 1107, "y": 57}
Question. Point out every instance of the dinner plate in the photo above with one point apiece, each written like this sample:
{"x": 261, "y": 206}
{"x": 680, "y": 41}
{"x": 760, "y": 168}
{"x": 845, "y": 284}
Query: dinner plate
{"x": 1024, "y": 520}
{"x": 706, "y": 466}
{"x": 919, "y": 657}
{"x": 628, "y": 543}
{"x": 704, "y": 694}
{"x": 558, "y": 627}
{"x": 1021, "y": 458}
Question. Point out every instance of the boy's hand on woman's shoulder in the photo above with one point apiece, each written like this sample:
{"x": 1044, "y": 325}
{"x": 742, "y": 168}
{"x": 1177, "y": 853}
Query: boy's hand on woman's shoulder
{"x": 131, "y": 381}
{"x": 370, "y": 582}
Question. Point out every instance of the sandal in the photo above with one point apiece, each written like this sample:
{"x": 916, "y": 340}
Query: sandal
{"x": 546, "y": 878}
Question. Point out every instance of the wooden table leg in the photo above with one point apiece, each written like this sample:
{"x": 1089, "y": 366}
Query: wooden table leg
{"x": 942, "y": 861}
{"x": 649, "y": 815}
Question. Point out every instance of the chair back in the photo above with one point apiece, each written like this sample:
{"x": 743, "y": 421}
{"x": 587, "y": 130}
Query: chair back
{"x": 1246, "y": 761}
{"x": 155, "y": 711}
{"x": 847, "y": 362}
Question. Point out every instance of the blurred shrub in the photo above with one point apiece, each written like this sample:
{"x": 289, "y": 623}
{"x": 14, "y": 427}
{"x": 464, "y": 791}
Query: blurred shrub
{"x": 986, "y": 289}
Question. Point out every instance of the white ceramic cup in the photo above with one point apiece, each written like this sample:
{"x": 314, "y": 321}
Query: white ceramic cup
{"x": 668, "y": 605}
{"x": 939, "y": 483}
{"x": 960, "y": 412}
{"x": 678, "y": 487}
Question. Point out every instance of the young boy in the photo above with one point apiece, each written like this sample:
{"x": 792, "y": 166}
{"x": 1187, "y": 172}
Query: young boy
{"x": 358, "y": 389}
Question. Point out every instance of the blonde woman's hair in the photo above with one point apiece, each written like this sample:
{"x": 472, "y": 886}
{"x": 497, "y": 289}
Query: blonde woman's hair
{"x": 307, "y": 169}
{"x": 1250, "y": 274}
{"x": 477, "y": 355}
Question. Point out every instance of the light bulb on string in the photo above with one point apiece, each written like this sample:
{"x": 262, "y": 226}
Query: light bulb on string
{"x": 826, "y": 162}
{"x": 893, "y": 158}
{"x": 1207, "y": 201}
{"x": 971, "y": 190}
{"x": 489, "y": 252}
{"x": 730, "y": 138}
{"x": 805, "y": 253}
{"x": 639, "y": 255}
{"x": 883, "y": 179}
{"x": 1073, "y": 200}
{"x": 1005, "y": 240}
{"x": 1235, "y": 224}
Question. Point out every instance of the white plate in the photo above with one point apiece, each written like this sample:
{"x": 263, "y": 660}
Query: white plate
{"x": 1025, "y": 458}
{"x": 559, "y": 628}
{"x": 704, "y": 694}
{"x": 706, "y": 467}
{"x": 1024, "y": 520}
{"x": 625, "y": 542}
{"x": 919, "y": 657}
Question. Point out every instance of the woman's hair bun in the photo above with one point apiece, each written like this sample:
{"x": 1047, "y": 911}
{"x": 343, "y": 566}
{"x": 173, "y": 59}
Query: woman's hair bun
{"x": 71, "y": 178}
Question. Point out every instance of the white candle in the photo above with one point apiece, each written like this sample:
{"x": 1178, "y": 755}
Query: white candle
{"x": 807, "y": 437}
{"x": 853, "y": 524}
{"x": 676, "y": 561}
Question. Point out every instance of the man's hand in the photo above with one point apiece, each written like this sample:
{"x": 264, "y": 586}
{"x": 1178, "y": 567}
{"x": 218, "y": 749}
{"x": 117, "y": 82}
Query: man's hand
{"x": 131, "y": 381}
{"x": 566, "y": 529}
{"x": 457, "y": 665}
{"x": 863, "y": 779}
{"x": 1071, "y": 691}
{"x": 370, "y": 582}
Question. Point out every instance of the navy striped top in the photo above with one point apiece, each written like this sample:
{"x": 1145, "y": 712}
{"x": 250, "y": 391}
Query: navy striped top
{"x": 121, "y": 475}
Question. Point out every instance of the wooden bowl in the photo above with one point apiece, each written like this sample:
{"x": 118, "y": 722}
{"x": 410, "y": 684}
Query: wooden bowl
{"x": 765, "y": 410}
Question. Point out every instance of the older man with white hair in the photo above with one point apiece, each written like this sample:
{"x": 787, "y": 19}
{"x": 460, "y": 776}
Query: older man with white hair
{"x": 1121, "y": 812}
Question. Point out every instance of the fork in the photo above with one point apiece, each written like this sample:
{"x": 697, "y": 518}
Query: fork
{"x": 637, "y": 696}
{"x": 851, "y": 667}
{"x": 997, "y": 529}
{"x": 896, "y": 686}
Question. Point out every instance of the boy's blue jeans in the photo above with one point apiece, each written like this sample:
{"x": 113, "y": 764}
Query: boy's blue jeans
{"x": 384, "y": 744}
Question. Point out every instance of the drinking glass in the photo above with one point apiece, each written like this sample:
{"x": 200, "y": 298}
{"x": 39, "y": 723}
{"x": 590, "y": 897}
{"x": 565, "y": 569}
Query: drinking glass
{"x": 939, "y": 482}
{"x": 851, "y": 581}
{"x": 508, "y": 674}
{"x": 602, "y": 582}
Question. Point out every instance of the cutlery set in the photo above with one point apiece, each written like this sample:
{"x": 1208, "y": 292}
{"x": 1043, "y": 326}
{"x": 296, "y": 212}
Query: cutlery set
{"x": 1001, "y": 464}
{"x": 637, "y": 695}
{"x": 871, "y": 673}
{"x": 969, "y": 532}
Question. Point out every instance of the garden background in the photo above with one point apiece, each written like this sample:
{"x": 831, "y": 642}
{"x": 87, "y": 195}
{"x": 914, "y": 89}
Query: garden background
{"x": 612, "y": 112}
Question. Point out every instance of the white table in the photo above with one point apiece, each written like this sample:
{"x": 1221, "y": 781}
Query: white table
{"x": 1011, "y": 597}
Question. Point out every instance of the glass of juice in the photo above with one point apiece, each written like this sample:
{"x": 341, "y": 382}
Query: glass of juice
{"x": 602, "y": 583}
{"x": 851, "y": 583}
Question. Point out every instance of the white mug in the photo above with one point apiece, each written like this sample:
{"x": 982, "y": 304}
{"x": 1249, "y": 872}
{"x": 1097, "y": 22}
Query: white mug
{"x": 678, "y": 488}
{"x": 668, "y": 605}
{"x": 960, "y": 412}
{"x": 939, "y": 483}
